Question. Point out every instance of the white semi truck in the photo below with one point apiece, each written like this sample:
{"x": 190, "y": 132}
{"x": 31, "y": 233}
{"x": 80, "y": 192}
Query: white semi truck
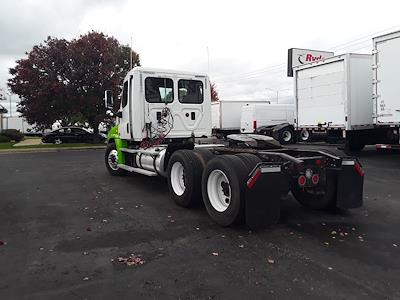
{"x": 162, "y": 115}
{"x": 334, "y": 96}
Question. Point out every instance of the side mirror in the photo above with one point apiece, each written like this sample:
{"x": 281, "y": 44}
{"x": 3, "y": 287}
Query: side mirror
{"x": 108, "y": 99}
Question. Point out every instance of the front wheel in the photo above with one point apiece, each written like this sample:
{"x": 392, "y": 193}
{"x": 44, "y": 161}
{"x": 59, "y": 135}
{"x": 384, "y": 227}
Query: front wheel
{"x": 111, "y": 160}
{"x": 57, "y": 141}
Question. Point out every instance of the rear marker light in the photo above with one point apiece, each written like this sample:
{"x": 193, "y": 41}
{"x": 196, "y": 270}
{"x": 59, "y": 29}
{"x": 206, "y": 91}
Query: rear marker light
{"x": 358, "y": 169}
{"x": 254, "y": 125}
{"x": 253, "y": 179}
{"x": 315, "y": 179}
{"x": 318, "y": 162}
{"x": 302, "y": 180}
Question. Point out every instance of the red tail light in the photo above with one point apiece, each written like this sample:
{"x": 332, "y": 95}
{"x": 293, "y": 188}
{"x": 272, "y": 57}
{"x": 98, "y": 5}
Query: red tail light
{"x": 254, "y": 124}
{"x": 315, "y": 179}
{"x": 301, "y": 180}
{"x": 358, "y": 169}
{"x": 253, "y": 179}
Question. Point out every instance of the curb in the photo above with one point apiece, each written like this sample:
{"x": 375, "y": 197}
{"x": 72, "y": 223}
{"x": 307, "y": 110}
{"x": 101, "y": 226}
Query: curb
{"x": 41, "y": 150}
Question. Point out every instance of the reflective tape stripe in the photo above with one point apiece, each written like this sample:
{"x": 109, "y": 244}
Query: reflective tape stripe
{"x": 270, "y": 169}
{"x": 348, "y": 163}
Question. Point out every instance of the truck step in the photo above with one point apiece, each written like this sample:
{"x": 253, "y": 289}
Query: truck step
{"x": 144, "y": 151}
{"x": 137, "y": 170}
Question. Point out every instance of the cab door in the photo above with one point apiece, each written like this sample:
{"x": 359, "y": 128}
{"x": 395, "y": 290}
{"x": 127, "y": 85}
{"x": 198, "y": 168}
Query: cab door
{"x": 182, "y": 98}
{"x": 124, "y": 124}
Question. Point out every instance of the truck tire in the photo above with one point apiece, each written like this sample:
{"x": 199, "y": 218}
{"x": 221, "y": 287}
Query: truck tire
{"x": 305, "y": 136}
{"x": 204, "y": 155}
{"x": 184, "y": 178}
{"x": 223, "y": 187}
{"x": 111, "y": 160}
{"x": 286, "y": 136}
{"x": 323, "y": 199}
{"x": 250, "y": 160}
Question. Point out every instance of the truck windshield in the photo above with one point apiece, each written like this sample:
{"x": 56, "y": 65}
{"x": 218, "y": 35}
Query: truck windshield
{"x": 159, "y": 90}
{"x": 190, "y": 91}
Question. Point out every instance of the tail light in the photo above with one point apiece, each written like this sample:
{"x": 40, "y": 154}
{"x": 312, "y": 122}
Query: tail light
{"x": 358, "y": 169}
{"x": 301, "y": 180}
{"x": 254, "y": 124}
{"x": 315, "y": 179}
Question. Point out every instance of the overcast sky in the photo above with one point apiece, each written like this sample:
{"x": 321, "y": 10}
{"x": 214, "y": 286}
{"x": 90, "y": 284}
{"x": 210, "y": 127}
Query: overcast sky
{"x": 241, "y": 44}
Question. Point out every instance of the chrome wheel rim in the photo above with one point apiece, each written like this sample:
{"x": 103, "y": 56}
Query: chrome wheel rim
{"x": 113, "y": 160}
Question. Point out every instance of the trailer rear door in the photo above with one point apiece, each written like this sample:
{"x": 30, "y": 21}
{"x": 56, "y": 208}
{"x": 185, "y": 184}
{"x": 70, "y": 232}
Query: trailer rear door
{"x": 387, "y": 74}
{"x": 321, "y": 95}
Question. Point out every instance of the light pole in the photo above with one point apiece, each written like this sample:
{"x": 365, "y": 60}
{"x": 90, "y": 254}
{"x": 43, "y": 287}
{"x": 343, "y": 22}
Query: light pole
{"x": 277, "y": 93}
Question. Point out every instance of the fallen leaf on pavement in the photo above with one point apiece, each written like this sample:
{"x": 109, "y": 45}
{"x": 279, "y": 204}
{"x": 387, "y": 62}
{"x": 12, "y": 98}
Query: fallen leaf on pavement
{"x": 131, "y": 260}
{"x": 270, "y": 260}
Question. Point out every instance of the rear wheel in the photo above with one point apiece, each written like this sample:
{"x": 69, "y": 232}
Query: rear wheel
{"x": 323, "y": 198}
{"x": 184, "y": 178}
{"x": 286, "y": 136}
{"x": 305, "y": 136}
{"x": 57, "y": 141}
{"x": 223, "y": 186}
{"x": 111, "y": 160}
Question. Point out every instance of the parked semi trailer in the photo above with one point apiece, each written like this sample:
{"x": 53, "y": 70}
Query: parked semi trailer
{"x": 225, "y": 115}
{"x": 386, "y": 88}
{"x": 275, "y": 120}
{"x": 334, "y": 96}
{"x": 163, "y": 113}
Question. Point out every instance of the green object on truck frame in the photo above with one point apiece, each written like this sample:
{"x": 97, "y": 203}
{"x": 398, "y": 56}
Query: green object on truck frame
{"x": 113, "y": 135}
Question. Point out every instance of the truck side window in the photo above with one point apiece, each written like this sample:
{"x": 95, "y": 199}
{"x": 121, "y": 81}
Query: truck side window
{"x": 125, "y": 94}
{"x": 190, "y": 91}
{"x": 159, "y": 90}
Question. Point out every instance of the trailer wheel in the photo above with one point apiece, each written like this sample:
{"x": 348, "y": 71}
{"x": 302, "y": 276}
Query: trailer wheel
{"x": 305, "y": 136}
{"x": 318, "y": 199}
{"x": 223, "y": 186}
{"x": 286, "y": 136}
{"x": 111, "y": 159}
{"x": 184, "y": 178}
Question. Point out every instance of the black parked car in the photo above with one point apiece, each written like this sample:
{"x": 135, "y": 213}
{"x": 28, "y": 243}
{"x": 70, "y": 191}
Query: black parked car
{"x": 69, "y": 135}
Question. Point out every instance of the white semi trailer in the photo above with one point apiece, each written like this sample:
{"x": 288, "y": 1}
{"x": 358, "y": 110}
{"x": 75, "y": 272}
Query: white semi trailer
{"x": 386, "y": 87}
{"x": 261, "y": 117}
{"x": 161, "y": 116}
{"x": 334, "y": 96}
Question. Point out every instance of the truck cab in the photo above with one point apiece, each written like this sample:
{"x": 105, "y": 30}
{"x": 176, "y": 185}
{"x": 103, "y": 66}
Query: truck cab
{"x": 158, "y": 102}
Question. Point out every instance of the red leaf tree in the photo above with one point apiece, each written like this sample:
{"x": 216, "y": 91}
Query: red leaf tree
{"x": 214, "y": 93}
{"x": 61, "y": 80}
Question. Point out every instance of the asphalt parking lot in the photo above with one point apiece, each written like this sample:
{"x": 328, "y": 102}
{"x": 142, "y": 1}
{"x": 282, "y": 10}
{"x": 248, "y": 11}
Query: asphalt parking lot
{"x": 64, "y": 222}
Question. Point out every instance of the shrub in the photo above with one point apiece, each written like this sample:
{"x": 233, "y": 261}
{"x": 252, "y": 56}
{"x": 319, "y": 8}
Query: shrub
{"x": 13, "y": 134}
{"x": 4, "y": 139}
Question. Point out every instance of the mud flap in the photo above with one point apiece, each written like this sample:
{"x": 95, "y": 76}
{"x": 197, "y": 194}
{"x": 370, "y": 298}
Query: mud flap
{"x": 350, "y": 183}
{"x": 263, "y": 196}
